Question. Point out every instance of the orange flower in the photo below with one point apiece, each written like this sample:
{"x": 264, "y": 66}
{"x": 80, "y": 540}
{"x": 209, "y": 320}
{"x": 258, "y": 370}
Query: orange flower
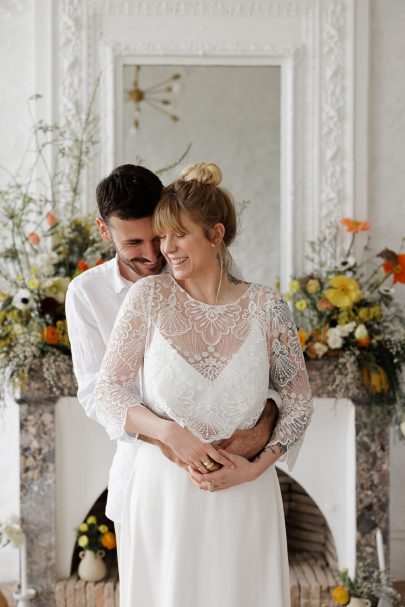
{"x": 303, "y": 337}
{"x": 108, "y": 540}
{"x": 340, "y": 595}
{"x": 376, "y": 378}
{"x": 351, "y": 225}
{"x": 82, "y": 266}
{"x": 34, "y": 238}
{"x": 324, "y": 305}
{"x": 396, "y": 268}
{"x": 364, "y": 343}
{"x": 51, "y": 220}
{"x": 99, "y": 261}
{"x": 50, "y": 335}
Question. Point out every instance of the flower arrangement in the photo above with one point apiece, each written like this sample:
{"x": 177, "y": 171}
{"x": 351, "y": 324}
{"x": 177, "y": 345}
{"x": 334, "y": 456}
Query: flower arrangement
{"x": 45, "y": 243}
{"x": 92, "y": 536}
{"x": 368, "y": 583}
{"x": 346, "y": 309}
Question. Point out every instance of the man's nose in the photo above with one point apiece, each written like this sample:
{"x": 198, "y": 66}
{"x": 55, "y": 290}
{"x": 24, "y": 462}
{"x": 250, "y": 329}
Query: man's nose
{"x": 151, "y": 251}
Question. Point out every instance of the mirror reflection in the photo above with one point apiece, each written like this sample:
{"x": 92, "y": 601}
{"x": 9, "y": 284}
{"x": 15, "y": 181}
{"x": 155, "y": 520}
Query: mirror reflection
{"x": 231, "y": 116}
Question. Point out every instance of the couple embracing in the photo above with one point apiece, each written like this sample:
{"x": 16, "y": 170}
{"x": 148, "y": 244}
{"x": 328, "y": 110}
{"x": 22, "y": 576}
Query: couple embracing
{"x": 182, "y": 362}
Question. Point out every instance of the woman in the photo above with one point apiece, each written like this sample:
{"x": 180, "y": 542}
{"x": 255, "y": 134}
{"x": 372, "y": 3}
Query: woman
{"x": 207, "y": 346}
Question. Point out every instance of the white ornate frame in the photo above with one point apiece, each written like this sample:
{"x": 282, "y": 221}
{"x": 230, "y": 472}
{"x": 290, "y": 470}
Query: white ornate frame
{"x": 321, "y": 46}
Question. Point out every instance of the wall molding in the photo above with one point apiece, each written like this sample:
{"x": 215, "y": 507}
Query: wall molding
{"x": 311, "y": 39}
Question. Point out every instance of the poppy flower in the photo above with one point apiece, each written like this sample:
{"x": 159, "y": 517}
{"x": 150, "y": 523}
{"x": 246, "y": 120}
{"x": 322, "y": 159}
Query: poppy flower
{"x": 352, "y": 225}
{"x": 396, "y": 268}
{"x": 344, "y": 291}
{"x": 34, "y": 238}
{"x": 51, "y": 220}
{"x": 82, "y": 266}
{"x": 50, "y": 335}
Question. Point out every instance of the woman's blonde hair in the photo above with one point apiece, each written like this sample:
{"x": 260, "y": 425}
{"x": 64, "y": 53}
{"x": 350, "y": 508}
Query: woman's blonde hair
{"x": 197, "y": 193}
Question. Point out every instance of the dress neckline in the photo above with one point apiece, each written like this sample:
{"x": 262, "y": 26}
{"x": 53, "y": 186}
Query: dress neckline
{"x": 207, "y": 305}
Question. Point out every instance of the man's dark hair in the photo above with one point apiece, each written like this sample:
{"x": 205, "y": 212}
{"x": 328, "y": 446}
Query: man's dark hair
{"x": 129, "y": 192}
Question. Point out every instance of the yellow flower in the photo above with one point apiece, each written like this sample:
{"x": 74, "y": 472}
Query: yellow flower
{"x": 277, "y": 285}
{"x": 20, "y": 277}
{"x": 294, "y": 286}
{"x": 83, "y": 527}
{"x": 313, "y": 286}
{"x": 61, "y": 327}
{"x": 33, "y": 283}
{"x": 33, "y": 271}
{"x": 340, "y": 595}
{"x": 83, "y": 541}
{"x": 301, "y": 304}
{"x": 103, "y": 528}
{"x": 287, "y": 296}
{"x": 376, "y": 378}
{"x": 91, "y": 520}
{"x": 345, "y": 291}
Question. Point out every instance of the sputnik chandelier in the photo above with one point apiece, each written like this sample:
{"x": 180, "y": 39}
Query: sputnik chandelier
{"x": 152, "y": 96}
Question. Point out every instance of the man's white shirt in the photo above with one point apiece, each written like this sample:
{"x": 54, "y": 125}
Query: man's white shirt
{"x": 92, "y": 303}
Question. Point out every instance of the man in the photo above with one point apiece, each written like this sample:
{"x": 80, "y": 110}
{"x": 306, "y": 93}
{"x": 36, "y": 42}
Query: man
{"x": 126, "y": 200}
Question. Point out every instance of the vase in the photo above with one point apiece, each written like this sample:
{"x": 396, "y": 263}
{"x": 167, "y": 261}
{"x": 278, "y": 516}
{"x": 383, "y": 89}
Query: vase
{"x": 92, "y": 567}
{"x": 356, "y": 602}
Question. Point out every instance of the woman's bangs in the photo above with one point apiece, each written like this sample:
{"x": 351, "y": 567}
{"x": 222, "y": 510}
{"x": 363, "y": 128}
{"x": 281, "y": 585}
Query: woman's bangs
{"x": 167, "y": 218}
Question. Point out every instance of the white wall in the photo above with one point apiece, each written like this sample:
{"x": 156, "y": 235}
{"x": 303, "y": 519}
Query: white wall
{"x": 387, "y": 194}
{"x": 17, "y": 84}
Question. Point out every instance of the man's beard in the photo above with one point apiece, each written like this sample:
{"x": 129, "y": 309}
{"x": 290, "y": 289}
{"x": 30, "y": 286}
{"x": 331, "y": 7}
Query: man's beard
{"x": 143, "y": 271}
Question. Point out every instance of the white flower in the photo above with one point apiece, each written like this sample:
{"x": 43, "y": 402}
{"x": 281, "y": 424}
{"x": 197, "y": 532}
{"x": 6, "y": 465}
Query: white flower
{"x": 334, "y": 338}
{"x": 346, "y": 264}
{"x": 45, "y": 262}
{"x": 11, "y": 532}
{"x": 320, "y": 349}
{"x": 345, "y": 330}
{"x": 361, "y": 332}
{"x": 23, "y": 299}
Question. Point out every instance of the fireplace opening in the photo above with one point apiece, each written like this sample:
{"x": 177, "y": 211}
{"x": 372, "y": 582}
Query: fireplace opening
{"x": 98, "y": 510}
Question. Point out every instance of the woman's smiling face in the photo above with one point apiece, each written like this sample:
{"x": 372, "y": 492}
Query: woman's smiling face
{"x": 188, "y": 251}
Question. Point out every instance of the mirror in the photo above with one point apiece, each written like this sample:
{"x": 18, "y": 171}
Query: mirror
{"x": 231, "y": 116}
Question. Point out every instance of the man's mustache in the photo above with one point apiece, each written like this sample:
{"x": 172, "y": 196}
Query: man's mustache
{"x": 143, "y": 259}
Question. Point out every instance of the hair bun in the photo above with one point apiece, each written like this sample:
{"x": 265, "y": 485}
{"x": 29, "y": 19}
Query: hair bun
{"x": 204, "y": 172}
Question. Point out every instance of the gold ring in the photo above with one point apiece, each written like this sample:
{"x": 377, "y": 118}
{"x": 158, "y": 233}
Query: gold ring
{"x": 210, "y": 486}
{"x": 208, "y": 464}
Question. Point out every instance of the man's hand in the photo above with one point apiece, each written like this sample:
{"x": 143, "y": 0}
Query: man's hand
{"x": 249, "y": 443}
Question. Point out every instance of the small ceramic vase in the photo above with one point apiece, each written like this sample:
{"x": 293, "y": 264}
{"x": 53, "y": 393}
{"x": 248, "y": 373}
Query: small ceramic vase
{"x": 355, "y": 602}
{"x": 92, "y": 567}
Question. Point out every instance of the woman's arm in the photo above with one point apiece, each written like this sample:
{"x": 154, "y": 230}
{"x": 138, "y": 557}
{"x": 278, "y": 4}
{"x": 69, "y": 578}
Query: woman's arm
{"x": 119, "y": 405}
{"x": 289, "y": 377}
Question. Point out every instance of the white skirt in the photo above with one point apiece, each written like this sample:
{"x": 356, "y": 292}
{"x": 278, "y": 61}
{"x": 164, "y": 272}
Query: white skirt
{"x": 184, "y": 547}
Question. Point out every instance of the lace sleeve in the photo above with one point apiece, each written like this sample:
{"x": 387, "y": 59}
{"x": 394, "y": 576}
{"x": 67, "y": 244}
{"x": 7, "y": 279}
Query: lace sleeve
{"x": 288, "y": 375}
{"x": 115, "y": 389}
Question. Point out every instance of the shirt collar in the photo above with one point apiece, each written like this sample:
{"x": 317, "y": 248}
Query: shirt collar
{"x": 120, "y": 283}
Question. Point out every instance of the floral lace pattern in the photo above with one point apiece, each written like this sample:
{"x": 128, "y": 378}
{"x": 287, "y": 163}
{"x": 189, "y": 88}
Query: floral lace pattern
{"x": 206, "y": 367}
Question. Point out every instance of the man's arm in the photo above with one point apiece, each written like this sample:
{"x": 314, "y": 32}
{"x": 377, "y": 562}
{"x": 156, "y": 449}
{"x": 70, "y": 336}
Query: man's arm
{"x": 249, "y": 443}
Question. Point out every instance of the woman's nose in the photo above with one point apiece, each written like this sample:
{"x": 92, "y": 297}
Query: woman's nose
{"x": 168, "y": 245}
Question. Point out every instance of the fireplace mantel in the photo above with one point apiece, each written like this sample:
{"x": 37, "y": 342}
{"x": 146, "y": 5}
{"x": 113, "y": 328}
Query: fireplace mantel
{"x": 38, "y": 473}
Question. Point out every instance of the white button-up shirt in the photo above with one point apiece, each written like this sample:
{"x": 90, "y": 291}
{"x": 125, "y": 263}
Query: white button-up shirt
{"x": 92, "y": 303}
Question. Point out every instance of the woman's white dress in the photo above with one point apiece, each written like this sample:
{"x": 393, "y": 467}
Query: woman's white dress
{"x": 208, "y": 368}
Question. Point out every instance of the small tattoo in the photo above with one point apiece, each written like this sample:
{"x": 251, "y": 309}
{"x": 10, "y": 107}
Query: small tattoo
{"x": 236, "y": 281}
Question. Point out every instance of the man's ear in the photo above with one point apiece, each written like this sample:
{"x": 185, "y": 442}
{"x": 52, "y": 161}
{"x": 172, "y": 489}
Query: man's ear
{"x": 103, "y": 229}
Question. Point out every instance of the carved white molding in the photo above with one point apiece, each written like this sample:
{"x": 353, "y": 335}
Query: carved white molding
{"x": 209, "y": 8}
{"x": 317, "y": 78}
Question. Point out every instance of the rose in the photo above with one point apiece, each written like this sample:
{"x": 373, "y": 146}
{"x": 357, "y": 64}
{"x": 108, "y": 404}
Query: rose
{"x": 83, "y": 541}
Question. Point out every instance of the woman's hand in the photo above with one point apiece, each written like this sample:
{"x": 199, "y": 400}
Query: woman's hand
{"x": 243, "y": 472}
{"x": 198, "y": 456}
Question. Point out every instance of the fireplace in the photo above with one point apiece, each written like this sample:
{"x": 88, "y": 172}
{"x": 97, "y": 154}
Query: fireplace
{"x": 331, "y": 483}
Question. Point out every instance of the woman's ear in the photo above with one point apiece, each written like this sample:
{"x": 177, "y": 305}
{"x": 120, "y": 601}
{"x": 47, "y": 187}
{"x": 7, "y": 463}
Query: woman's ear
{"x": 103, "y": 229}
{"x": 217, "y": 234}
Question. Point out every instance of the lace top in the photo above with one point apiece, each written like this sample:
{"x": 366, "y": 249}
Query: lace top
{"x": 206, "y": 367}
